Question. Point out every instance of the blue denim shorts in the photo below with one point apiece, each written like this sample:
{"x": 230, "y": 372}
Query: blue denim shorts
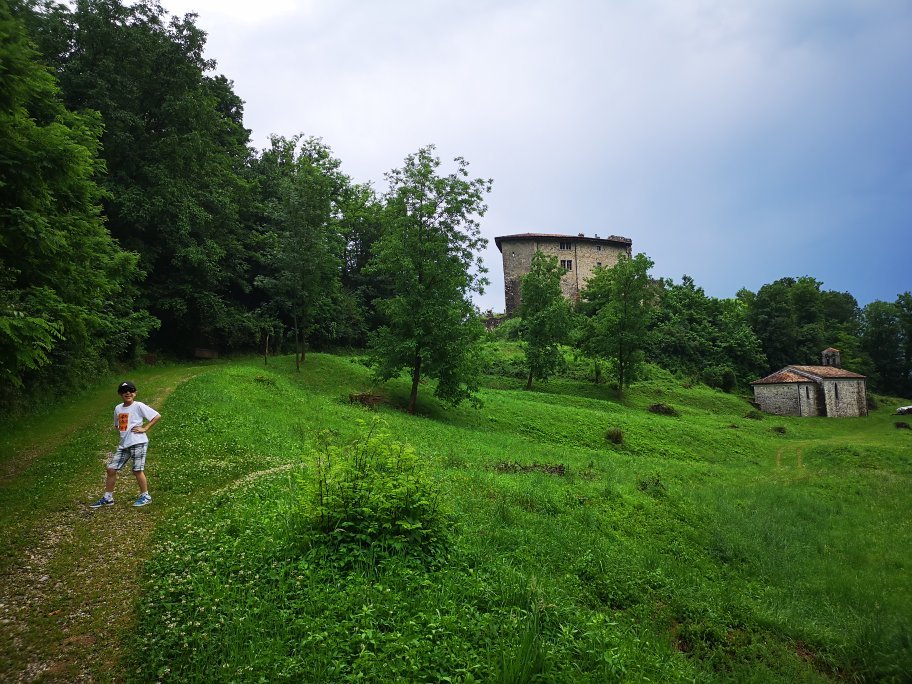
{"x": 137, "y": 452}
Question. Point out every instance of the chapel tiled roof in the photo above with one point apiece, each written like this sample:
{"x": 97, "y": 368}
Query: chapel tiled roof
{"x": 827, "y": 371}
{"x": 802, "y": 373}
{"x": 780, "y": 377}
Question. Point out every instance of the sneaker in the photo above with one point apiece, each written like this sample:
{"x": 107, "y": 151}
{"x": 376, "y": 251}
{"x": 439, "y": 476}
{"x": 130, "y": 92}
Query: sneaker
{"x": 102, "y": 502}
{"x": 143, "y": 500}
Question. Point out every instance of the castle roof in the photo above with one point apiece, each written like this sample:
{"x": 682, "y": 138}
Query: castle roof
{"x": 610, "y": 240}
{"x": 807, "y": 374}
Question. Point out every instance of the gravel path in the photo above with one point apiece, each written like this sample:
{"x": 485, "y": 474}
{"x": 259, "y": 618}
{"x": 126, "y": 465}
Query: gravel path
{"x": 68, "y": 599}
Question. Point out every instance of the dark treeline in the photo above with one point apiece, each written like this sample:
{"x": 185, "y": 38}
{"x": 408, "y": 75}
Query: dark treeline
{"x": 625, "y": 318}
{"x": 137, "y": 217}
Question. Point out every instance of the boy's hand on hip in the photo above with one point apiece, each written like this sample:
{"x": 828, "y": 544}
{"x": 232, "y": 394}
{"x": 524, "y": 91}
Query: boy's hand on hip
{"x": 139, "y": 430}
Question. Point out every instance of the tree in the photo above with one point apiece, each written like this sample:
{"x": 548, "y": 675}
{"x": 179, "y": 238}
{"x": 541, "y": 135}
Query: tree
{"x": 66, "y": 291}
{"x": 545, "y": 317}
{"x": 617, "y": 301}
{"x": 427, "y": 258}
{"x": 301, "y": 187}
{"x": 175, "y": 149}
{"x": 795, "y": 319}
{"x": 904, "y": 309}
{"x": 882, "y": 339}
{"x": 702, "y": 336}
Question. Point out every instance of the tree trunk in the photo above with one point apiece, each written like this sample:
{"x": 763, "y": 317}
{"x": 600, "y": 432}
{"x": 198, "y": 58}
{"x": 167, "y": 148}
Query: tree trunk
{"x": 416, "y": 376}
{"x": 529, "y": 383}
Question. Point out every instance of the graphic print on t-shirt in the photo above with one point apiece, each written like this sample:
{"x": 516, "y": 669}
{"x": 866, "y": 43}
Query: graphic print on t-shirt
{"x": 123, "y": 421}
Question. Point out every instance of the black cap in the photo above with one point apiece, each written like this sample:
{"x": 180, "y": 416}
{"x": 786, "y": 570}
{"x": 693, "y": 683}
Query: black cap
{"x": 126, "y": 386}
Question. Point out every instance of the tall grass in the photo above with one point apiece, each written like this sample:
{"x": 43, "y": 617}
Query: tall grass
{"x": 702, "y": 546}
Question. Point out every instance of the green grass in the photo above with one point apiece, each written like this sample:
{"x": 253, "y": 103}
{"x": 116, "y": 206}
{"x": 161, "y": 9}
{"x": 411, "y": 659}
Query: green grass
{"x": 703, "y": 547}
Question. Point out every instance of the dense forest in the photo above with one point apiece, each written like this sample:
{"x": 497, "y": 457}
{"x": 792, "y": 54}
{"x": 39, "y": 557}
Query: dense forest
{"x": 137, "y": 218}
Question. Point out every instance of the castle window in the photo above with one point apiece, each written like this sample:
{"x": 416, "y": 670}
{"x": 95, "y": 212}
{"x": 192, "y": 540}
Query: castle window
{"x": 565, "y": 245}
{"x": 836, "y": 387}
{"x": 598, "y": 264}
{"x": 567, "y": 264}
{"x": 598, "y": 248}
{"x": 807, "y": 392}
{"x": 513, "y": 254}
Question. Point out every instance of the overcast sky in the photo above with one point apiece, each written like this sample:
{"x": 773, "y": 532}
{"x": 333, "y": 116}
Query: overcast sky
{"x": 736, "y": 141}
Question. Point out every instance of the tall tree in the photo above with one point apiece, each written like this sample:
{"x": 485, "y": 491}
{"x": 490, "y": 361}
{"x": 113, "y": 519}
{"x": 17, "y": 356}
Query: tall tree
{"x": 66, "y": 292}
{"x": 175, "y": 149}
{"x": 301, "y": 188}
{"x": 883, "y": 340}
{"x": 904, "y": 306}
{"x": 617, "y": 301}
{"x": 795, "y": 319}
{"x": 428, "y": 257}
{"x": 545, "y": 317}
{"x": 705, "y": 337}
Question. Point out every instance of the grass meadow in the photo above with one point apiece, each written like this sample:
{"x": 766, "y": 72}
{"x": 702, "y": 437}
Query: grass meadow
{"x": 701, "y": 546}
{"x": 555, "y": 535}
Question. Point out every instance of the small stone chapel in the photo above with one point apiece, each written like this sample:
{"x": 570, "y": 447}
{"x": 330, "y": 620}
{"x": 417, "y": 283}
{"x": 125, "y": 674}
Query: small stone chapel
{"x": 825, "y": 390}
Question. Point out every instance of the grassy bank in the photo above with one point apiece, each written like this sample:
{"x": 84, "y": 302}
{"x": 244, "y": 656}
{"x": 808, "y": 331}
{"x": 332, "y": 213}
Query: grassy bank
{"x": 703, "y": 545}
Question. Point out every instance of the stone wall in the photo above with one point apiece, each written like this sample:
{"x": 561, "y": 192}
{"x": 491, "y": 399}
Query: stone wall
{"x": 781, "y": 400}
{"x": 809, "y": 399}
{"x": 584, "y": 254}
{"x": 851, "y": 400}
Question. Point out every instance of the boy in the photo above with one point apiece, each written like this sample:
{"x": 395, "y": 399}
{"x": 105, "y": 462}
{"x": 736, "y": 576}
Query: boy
{"x": 128, "y": 418}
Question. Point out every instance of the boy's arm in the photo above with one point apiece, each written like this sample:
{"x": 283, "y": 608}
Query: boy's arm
{"x": 145, "y": 428}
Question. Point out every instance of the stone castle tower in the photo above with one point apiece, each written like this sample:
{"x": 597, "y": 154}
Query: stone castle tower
{"x": 578, "y": 254}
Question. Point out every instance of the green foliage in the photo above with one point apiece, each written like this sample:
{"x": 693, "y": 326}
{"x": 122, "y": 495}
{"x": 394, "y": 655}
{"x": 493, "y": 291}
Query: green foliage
{"x": 428, "y": 257}
{"x": 301, "y": 191}
{"x": 615, "y": 435}
{"x": 509, "y": 331}
{"x": 616, "y": 302}
{"x": 885, "y": 340}
{"x": 371, "y": 498}
{"x": 175, "y": 147}
{"x": 66, "y": 288}
{"x": 545, "y": 318}
{"x": 703, "y": 337}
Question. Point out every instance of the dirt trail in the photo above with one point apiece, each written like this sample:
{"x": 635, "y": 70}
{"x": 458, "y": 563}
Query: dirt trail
{"x": 65, "y": 603}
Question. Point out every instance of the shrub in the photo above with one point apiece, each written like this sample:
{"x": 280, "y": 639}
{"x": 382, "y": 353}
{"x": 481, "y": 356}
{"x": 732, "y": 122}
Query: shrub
{"x": 720, "y": 377}
{"x": 509, "y": 330}
{"x": 663, "y": 410}
{"x": 652, "y": 485}
{"x": 615, "y": 435}
{"x": 371, "y": 498}
{"x": 779, "y": 429}
{"x": 754, "y": 414}
{"x": 902, "y": 425}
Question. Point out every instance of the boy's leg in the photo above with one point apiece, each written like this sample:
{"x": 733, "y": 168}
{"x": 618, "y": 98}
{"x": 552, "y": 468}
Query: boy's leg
{"x": 110, "y": 481}
{"x": 139, "y": 467}
{"x": 141, "y": 481}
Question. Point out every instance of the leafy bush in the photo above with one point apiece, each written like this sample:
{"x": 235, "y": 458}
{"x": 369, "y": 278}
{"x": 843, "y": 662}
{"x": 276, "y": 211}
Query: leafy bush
{"x": 615, "y": 435}
{"x": 663, "y": 410}
{"x": 508, "y": 330}
{"x": 901, "y": 425}
{"x": 653, "y": 485}
{"x": 721, "y": 377}
{"x": 370, "y": 498}
{"x": 754, "y": 414}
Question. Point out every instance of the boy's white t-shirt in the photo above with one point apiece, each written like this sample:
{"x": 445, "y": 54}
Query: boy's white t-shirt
{"x": 128, "y": 417}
